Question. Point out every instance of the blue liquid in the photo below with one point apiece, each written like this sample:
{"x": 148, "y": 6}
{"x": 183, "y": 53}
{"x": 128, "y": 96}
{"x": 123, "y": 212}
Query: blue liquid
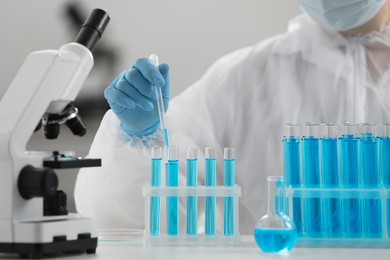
{"x": 172, "y": 180}
{"x": 292, "y": 175}
{"x": 311, "y": 178}
{"x": 155, "y": 201}
{"x": 275, "y": 240}
{"x": 228, "y": 227}
{"x": 192, "y": 207}
{"x": 210, "y": 228}
{"x": 349, "y": 180}
{"x": 369, "y": 176}
{"x": 331, "y": 208}
{"x": 384, "y": 153}
{"x": 165, "y": 137}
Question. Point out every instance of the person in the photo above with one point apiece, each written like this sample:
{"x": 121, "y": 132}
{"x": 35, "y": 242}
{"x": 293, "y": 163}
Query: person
{"x": 332, "y": 65}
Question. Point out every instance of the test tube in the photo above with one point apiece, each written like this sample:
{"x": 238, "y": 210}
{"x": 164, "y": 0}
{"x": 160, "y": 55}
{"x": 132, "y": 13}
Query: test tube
{"x": 210, "y": 180}
{"x": 192, "y": 181}
{"x": 331, "y": 207}
{"x": 384, "y": 164}
{"x": 292, "y": 168}
{"x": 155, "y": 182}
{"x": 160, "y": 105}
{"x": 349, "y": 179}
{"x": 311, "y": 179}
{"x": 229, "y": 181}
{"x": 172, "y": 180}
{"x": 369, "y": 179}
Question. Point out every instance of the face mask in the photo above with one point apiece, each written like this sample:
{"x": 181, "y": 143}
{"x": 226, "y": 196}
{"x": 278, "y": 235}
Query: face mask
{"x": 341, "y": 15}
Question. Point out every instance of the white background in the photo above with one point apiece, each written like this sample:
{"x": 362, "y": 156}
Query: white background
{"x": 189, "y": 35}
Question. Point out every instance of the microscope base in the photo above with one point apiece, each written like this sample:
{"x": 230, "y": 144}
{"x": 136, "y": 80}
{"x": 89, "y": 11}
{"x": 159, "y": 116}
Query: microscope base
{"x": 53, "y": 237}
{"x": 39, "y": 250}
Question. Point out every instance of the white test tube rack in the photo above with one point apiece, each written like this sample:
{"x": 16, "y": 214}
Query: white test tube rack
{"x": 182, "y": 238}
{"x": 380, "y": 194}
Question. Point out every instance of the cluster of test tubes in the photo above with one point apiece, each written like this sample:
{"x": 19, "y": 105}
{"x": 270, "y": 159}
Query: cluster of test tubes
{"x": 172, "y": 202}
{"x": 345, "y": 157}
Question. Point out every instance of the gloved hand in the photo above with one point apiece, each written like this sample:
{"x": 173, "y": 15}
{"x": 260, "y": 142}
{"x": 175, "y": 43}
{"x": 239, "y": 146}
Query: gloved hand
{"x": 132, "y": 96}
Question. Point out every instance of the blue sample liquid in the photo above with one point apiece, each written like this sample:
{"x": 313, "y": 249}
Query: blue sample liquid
{"x": 384, "y": 144}
{"x": 155, "y": 200}
{"x": 292, "y": 175}
{"x": 275, "y": 240}
{"x": 172, "y": 180}
{"x": 311, "y": 178}
{"x": 192, "y": 205}
{"x": 349, "y": 179}
{"x": 210, "y": 202}
{"x": 369, "y": 175}
{"x": 228, "y": 227}
{"x": 331, "y": 208}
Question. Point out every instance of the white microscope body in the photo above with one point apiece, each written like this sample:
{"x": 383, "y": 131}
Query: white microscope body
{"x": 45, "y": 84}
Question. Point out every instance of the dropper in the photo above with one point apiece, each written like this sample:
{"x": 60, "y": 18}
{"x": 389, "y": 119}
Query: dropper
{"x": 160, "y": 105}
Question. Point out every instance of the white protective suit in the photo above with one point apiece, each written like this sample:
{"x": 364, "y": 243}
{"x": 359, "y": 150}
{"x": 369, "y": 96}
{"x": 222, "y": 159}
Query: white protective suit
{"x": 243, "y": 101}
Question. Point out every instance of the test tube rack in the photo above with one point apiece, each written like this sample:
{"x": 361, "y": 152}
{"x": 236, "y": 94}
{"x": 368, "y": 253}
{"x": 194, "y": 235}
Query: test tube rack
{"x": 323, "y": 239}
{"x": 182, "y": 238}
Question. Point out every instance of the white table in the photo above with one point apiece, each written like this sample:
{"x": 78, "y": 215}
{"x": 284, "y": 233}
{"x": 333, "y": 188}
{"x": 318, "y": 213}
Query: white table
{"x": 248, "y": 250}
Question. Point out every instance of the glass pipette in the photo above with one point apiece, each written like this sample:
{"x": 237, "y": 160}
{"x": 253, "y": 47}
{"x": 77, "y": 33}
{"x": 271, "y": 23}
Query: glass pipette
{"x": 160, "y": 105}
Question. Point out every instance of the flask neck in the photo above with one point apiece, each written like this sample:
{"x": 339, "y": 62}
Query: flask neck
{"x": 275, "y": 195}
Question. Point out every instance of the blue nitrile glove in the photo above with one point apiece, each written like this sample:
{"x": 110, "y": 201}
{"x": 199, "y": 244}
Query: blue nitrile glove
{"x": 132, "y": 96}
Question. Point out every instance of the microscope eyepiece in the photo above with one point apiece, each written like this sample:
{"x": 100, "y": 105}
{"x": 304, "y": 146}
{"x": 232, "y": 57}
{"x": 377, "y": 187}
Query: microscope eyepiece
{"x": 93, "y": 28}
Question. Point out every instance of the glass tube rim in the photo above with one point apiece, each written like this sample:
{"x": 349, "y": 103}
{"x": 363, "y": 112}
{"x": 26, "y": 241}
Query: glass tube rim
{"x": 368, "y": 128}
{"x": 292, "y": 130}
{"x": 349, "y": 129}
{"x": 209, "y": 153}
{"x": 310, "y": 129}
{"x": 157, "y": 152}
{"x": 229, "y": 153}
{"x": 384, "y": 130}
{"x": 328, "y": 130}
{"x": 192, "y": 153}
{"x": 173, "y": 152}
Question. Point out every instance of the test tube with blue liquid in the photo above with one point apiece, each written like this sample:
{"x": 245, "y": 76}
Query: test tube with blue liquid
{"x": 210, "y": 201}
{"x": 192, "y": 181}
{"x": 331, "y": 207}
{"x": 229, "y": 181}
{"x": 369, "y": 179}
{"x": 292, "y": 167}
{"x": 384, "y": 164}
{"x": 311, "y": 179}
{"x": 350, "y": 179}
{"x": 155, "y": 182}
{"x": 172, "y": 180}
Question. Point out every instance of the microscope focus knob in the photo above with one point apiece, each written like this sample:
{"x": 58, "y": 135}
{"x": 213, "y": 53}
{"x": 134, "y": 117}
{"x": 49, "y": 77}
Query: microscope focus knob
{"x": 37, "y": 182}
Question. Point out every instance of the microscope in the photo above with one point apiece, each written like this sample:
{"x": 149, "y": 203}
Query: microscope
{"x": 34, "y": 220}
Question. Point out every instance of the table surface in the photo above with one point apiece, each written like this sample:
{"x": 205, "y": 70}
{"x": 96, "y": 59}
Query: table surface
{"x": 134, "y": 249}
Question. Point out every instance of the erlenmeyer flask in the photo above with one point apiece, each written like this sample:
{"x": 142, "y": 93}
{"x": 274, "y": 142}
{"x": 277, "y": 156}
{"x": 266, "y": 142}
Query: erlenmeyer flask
{"x": 275, "y": 232}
